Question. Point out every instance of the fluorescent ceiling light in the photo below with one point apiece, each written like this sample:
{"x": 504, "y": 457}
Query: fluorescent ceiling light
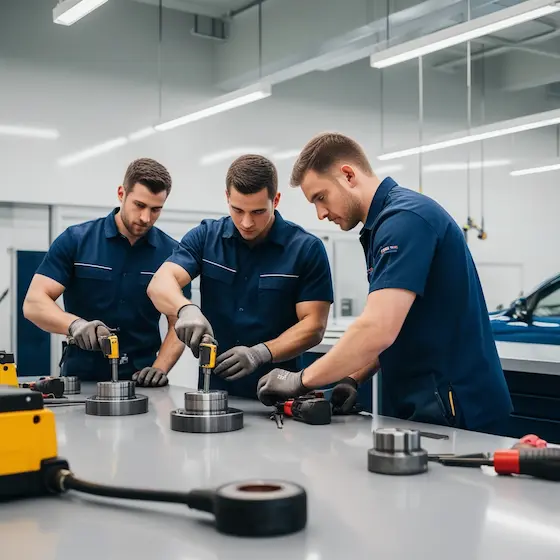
{"x": 141, "y": 134}
{"x": 463, "y": 32}
{"x": 29, "y": 132}
{"x": 88, "y": 153}
{"x": 540, "y": 169}
{"x": 68, "y": 12}
{"x": 219, "y": 105}
{"x": 502, "y": 128}
{"x": 463, "y": 165}
{"x": 230, "y": 154}
{"x": 286, "y": 154}
{"x": 384, "y": 169}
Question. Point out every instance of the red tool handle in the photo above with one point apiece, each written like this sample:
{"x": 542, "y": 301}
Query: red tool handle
{"x": 537, "y": 462}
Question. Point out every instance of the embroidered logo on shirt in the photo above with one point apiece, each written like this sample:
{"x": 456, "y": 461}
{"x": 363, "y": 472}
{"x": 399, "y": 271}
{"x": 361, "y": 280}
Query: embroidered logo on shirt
{"x": 389, "y": 249}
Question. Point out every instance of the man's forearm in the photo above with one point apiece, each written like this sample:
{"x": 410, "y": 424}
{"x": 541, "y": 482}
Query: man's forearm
{"x": 43, "y": 312}
{"x": 362, "y": 375}
{"x": 297, "y": 339}
{"x": 166, "y": 294}
{"x": 169, "y": 352}
{"x": 355, "y": 353}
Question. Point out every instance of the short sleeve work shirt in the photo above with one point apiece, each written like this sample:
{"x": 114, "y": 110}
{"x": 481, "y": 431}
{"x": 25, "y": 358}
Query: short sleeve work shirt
{"x": 249, "y": 294}
{"x": 105, "y": 278}
{"x": 443, "y": 366}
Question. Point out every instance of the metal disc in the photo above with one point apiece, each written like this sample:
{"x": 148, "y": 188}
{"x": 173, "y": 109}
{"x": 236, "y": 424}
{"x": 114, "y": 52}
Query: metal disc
{"x": 72, "y": 385}
{"x": 98, "y": 406}
{"x": 182, "y": 421}
{"x": 380, "y": 462}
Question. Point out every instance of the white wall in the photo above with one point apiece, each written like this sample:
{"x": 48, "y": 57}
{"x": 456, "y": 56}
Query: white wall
{"x": 99, "y": 80}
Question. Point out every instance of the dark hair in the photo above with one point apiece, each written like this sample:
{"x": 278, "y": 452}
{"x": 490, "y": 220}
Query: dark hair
{"x": 251, "y": 174}
{"x": 147, "y": 172}
{"x": 323, "y": 151}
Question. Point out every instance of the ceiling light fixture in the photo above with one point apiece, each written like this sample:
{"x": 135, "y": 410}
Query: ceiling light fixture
{"x": 88, "y": 153}
{"x": 486, "y": 132}
{"x": 385, "y": 169}
{"x": 68, "y": 12}
{"x": 463, "y": 165}
{"x": 219, "y": 105}
{"x": 463, "y": 32}
{"x": 534, "y": 170}
{"x": 286, "y": 154}
{"x": 231, "y": 153}
{"x": 29, "y": 132}
{"x": 142, "y": 133}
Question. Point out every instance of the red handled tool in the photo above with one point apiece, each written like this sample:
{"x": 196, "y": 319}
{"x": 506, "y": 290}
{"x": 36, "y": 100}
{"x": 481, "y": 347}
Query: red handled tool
{"x": 312, "y": 409}
{"x": 532, "y": 461}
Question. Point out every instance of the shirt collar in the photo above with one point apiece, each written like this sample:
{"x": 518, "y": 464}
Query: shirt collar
{"x": 378, "y": 201}
{"x": 277, "y": 233}
{"x": 111, "y": 229}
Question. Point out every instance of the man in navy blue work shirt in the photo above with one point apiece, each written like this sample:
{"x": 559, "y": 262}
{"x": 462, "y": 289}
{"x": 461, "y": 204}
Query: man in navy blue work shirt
{"x": 103, "y": 268}
{"x": 425, "y": 323}
{"x": 265, "y": 284}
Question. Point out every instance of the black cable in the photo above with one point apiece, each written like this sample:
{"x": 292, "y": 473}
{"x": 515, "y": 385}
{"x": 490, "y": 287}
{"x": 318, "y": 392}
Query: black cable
{"x": 195, "y": 499}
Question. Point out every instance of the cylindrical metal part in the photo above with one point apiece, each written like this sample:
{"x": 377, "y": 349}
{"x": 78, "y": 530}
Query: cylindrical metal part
{"x": 98, "y": 406}
{"x": 213, "y": 402}
{"x": 72, "y": 385}
{"x": 228, "y": 421}
{"x": 396, "y": 439}
{"x": 206, "y": 372}
{"x": 397, "y": 451}
{"x": 114, "y": 370}
{"x": 120, "y": 390}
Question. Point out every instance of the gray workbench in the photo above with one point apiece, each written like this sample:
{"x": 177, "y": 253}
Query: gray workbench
{"x": 446, "y": 513}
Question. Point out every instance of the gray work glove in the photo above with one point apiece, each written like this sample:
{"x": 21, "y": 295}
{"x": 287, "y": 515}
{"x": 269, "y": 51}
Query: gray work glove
{"x": 241, "y": 361}
{"x": 150, "y": 377}
{"x": 344, "y": 396}
{"x": 86, "y": 334}
{"x": 280, "y": 385}
{"x": 191, "y": 326}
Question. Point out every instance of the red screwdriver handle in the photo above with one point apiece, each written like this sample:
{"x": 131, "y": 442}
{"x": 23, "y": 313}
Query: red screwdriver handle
{"x": 537, "y": 462}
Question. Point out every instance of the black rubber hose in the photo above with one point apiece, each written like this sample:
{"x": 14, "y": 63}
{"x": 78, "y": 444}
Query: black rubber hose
{"x": 195, "y": 499}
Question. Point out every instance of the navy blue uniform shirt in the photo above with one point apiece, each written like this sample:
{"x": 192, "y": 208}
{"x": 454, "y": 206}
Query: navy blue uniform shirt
{"x": 105, "y": 278}
{"x": 443, "y": 367}
{"x": 249, "y": 294}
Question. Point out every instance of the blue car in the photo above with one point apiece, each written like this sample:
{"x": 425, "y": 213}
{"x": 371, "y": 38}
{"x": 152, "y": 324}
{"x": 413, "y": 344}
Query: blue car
{"x": 533, "y": 318}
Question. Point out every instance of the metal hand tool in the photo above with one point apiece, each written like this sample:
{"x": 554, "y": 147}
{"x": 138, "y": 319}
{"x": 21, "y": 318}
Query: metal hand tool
{"x": 537, "y": 462}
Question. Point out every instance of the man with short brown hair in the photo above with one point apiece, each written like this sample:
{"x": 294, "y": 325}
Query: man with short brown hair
{"x": 103, "y": 268}
{"x": 425, "y": 322}
{"x": 265, "y": 282}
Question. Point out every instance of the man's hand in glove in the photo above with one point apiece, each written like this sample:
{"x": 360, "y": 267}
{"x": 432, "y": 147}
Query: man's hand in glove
{"x": 280, "y": 385}
{"x": 241, "y": 361}
{"x": 150, "y": 377}
{"x": 344, "y": 396}
{"x": 86, "y": 334}
{"x": 191, "y": 326}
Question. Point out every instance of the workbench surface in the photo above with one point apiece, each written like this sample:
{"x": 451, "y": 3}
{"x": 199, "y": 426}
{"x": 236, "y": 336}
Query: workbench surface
{"x": 445, "y": 513}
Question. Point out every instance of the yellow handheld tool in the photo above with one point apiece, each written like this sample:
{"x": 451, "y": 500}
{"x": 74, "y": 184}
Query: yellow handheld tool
{"x": 8, "y": 371}
{"x": 207, "y": 362}
{"x": 110, "y": 347}
{"x": 28, "y": 446}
